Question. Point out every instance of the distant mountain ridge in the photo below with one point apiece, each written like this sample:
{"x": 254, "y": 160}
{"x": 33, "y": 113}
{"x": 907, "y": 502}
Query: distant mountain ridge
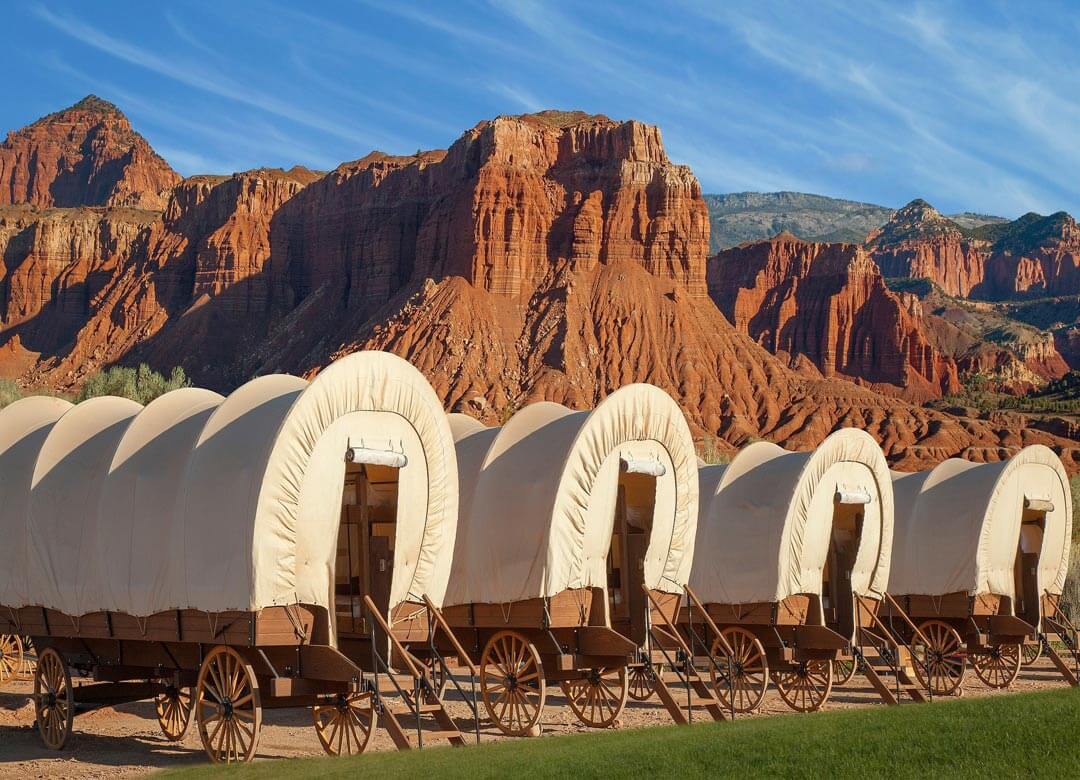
{"x": 738, "y": 217}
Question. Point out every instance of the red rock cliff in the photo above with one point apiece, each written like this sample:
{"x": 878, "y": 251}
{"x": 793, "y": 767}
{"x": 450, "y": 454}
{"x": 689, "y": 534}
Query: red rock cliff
{"x": 86, "y": 155}
{"x": 829, "y": 303}
{"x": 918, "y": 242}
{"x": 551, "y": 256}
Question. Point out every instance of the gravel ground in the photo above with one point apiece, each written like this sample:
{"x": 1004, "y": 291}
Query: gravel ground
{"x": 125, "y": 741}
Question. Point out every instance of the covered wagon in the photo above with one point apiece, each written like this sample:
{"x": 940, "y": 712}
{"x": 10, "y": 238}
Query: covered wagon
{"x": 572, "y": 525}
{"x": 791, "y": 562}
{"x": 980, "y": 560}
{"x": 24, "y": 425}
{"x": 274, "y": 548}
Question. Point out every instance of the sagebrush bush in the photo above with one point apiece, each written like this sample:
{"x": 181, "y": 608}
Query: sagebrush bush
{"x": 9, "y": 392}
{"x": 141, "y": 384}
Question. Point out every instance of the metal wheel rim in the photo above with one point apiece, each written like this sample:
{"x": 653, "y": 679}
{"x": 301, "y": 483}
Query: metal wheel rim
{"x": 514, "y": 708}
{"x": 174, "y": 712}
{"x": 345, "y": 724}
{"x": 944, "y": 657}
{"x": 1000, "y": 667}
{"x": 749, "y": 678}
{"x": 228, "y": 707}
{"x": 54, "y": 708}
{"x": 807, "y": 686}
{"x": 598, "y": 698}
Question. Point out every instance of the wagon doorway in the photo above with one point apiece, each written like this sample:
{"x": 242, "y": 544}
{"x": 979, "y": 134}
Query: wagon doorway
{"x": 837, "y": 593}
{"x": 635, "y": 507}
{"x": 365, "y": 546}
{"x": 1028, "y": 599}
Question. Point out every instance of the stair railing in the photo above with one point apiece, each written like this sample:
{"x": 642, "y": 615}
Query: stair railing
{"x": 694, "y": 605}
{"x": 888, "y": 644}
{"x": 684, "y": 656}
{"x": 437, "y": 622}
{"x": 378, "y": 662}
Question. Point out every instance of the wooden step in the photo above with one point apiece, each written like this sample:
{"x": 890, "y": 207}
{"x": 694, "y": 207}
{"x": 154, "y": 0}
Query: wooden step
{"x": 448, "y": 734}
{"x": 1063, "y": 668}
{"x": 408, "y": 709}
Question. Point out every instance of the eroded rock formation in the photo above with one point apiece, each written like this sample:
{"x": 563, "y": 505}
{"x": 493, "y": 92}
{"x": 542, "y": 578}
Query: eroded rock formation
{"x": 1032, "y": 256}
{"x": 85, "y": 155}
{"x": 829, "y": 303}
{"x": 557, "y": 255}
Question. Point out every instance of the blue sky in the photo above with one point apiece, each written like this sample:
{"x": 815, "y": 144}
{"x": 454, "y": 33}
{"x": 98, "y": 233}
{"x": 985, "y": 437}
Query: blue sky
{"x": 973, "y": 106}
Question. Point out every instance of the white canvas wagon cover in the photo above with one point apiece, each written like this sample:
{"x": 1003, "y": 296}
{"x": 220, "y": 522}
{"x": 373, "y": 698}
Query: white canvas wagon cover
{"x": 766, "y": 520}
{"x": 958, "y": 525}
{"x": 203, "y": 503}
{"x": 538, "y": 497}
{"x": 24, "y": 426}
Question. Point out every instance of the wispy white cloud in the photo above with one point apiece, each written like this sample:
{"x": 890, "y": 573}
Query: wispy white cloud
{"x": 518, "y": 96}
{"x": 972, "y": 107}
{"x": 193, "y": 75}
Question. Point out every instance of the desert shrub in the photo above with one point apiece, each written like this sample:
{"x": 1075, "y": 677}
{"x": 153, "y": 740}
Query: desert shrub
{"x": 141, "y": 384}
{"x": 712, "y": 453}
{"x": 9, "y": 392}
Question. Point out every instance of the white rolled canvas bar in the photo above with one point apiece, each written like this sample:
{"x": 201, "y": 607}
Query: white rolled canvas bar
{"x": 652, "y": 468}
{"x": 372, "y": 457}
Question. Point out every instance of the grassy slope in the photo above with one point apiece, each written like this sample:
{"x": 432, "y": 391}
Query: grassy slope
{"x": 1004, "y": 736}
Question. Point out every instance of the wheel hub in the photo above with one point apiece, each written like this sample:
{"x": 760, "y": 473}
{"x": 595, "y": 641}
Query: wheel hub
{"x": 511, "y": 682}
{"x": 227, "y": 708}
{"x": 594, "y": 677}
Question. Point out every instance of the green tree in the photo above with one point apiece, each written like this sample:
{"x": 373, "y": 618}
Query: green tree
{"x": 141, "y": 384}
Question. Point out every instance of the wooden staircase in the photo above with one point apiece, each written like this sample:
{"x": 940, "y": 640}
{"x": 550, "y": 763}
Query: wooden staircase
{"x": 884, "y": 659}
{"x": 410, "y": 707}
{"x": 679, "y": 671}
{"x": 1057, "y": 623}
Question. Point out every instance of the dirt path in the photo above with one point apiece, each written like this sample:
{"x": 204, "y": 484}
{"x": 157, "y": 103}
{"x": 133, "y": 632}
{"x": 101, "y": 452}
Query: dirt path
{"x": 125, "y": 741}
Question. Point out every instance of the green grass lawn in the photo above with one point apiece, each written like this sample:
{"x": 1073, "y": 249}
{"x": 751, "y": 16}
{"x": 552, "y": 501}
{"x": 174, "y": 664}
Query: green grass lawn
{"x": 1035, "y": 734}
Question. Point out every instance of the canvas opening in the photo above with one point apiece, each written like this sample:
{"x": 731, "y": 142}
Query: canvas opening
{"x": 365, "y": 546}
{"x": 635, "y": 508}
{"x": 1027, "y": 600}
{"x": 837, "y": 593}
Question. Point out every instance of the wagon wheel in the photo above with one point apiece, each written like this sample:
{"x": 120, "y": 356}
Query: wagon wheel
{"x": 345, "y": 723}
{"x": 999, "y": 667}
{"x": 54, "y": 702}
{"x": 744, "y": 687}
{"x": 29, "y": 660}
{"x": 174, "y": 712}
{"x": 806, "y": 686}
{"x": 228, "y": 707}
{"x": 1031, "y": 653}
{"x": 843, "y": 670}
{"x": 11, "y": 657}
{"x": 640, "y": 685}
{"x": 599, "y": 697}
{"x": 512, "y": 683}
{"x": 942, "y": 664}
